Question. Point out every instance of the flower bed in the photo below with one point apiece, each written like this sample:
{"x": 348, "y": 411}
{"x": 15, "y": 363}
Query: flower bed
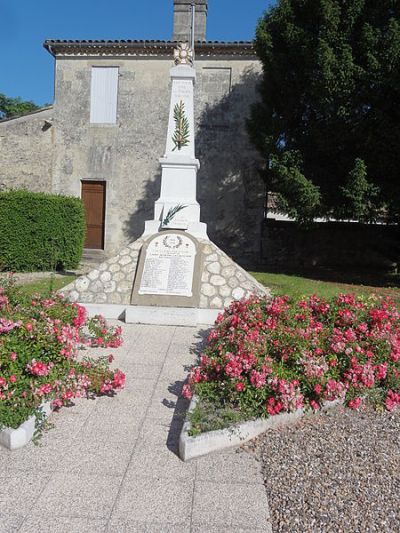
{"x": 268, "y": 357}
{"x": 39, "y": 361}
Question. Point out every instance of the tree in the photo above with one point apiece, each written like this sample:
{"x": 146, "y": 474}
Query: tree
{"x": 328, "y": 121}
{"x": 10, "y": 107}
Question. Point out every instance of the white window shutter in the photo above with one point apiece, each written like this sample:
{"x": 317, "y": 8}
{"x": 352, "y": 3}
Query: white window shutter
{"x": 104, "y": 95}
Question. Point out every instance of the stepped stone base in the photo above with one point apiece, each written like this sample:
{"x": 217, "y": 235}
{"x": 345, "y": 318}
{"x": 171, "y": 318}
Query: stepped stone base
{"x": 222, "y": 280}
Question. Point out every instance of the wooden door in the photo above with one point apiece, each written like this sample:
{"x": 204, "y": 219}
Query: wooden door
{"x": 94, "y": 200}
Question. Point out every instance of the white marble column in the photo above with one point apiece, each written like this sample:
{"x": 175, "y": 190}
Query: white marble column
{"x": 179, "y": 164}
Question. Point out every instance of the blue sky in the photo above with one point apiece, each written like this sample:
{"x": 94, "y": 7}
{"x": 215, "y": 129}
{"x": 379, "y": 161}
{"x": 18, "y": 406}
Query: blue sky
{"x": 26, "y": 68}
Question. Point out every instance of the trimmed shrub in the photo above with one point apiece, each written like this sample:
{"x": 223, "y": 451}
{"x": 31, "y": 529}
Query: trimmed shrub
{"x": 40, "y": 231}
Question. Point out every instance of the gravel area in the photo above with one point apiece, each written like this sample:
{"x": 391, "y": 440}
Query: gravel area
{"x": 337, "y": 472}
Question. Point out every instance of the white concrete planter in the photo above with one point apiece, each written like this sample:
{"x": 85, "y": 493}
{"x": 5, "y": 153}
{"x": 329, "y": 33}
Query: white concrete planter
{"x": 222, "y": 439}
{"x": 17, "y": 438}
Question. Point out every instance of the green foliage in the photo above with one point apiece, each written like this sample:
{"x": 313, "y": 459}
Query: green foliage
{"x": 331, "y": 93}
{"x": 298, "y": 287}
{"x": 46, "y": 286}
{"x": 359, "y": 193}
{"x": 298, "y": 196}
{"x": 39, "y": 357}
{"x": 209, "y": 416}
{"x": 267, "y": 357}
{"x": 10, "y": 107}
{"x": 40, "y": 231}
{"x": 181, "y": 133}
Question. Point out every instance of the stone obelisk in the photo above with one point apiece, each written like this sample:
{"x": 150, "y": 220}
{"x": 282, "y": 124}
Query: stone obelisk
{"x": 173, "y": 274}
{"x": 177, "y": 206}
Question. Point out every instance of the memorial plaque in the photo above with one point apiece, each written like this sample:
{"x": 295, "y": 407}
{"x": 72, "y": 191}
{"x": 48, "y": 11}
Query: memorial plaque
{"x": 168, "y": 266}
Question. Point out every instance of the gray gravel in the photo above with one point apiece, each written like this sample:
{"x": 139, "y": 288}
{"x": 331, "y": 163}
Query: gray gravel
{"x": 336, "y": 472}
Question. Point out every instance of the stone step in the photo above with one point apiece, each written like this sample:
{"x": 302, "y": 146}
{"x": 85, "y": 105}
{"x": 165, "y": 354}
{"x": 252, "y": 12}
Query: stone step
{"x": 93, "y": 255}
{"x": 90, "y": 260}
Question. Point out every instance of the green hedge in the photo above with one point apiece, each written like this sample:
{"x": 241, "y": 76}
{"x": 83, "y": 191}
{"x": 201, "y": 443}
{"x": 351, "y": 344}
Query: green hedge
{"x": 40, "y": 231}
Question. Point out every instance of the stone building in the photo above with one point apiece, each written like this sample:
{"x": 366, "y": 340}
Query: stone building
{"x": 103, "y": 136}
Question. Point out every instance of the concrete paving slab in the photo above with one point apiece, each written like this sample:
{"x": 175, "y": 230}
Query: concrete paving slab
{"x": 170, "y": 371}
{"x": 140, "y": 371}
{"x": 233, "y": 467}
{"x": 123, "y": 526}
{"x": 139, "y": 388}
{"x": 104, "y": 458}
{"x": 111, "y": 464}
{"x": 121, "y": 424}
{"x": 147, "y": 499}
{"x": 148, "y": 355}
{"x": 159, "y": 463}
{"x": 78, "y": 495}
{"x": 10, "y": 523}
{"x": 62, "y": 524}
{"x": 230, "y": 505}
{"x": 159, "y": 433}
{"x": 165, "y": 401}
{"x": 18, "y": 492}
{"x": 218, "y": 529}
{"x": 29, "y": 459}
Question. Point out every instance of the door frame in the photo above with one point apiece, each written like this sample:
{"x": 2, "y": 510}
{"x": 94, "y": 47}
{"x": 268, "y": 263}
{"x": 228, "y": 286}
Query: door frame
{"x": 104, "y": 183}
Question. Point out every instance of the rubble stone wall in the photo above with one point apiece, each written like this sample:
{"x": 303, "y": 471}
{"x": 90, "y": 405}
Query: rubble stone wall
{"x": 222, "y": 280}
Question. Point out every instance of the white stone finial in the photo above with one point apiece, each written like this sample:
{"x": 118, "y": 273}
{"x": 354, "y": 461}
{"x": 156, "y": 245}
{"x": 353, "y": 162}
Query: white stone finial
{"x": 183, "y": 54}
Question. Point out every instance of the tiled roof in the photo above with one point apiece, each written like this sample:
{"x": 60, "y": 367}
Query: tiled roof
{"x": 130, "y": 47}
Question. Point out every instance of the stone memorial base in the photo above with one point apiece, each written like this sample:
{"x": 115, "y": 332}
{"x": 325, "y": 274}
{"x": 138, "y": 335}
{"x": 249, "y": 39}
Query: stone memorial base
{"x": 142, "y": 285}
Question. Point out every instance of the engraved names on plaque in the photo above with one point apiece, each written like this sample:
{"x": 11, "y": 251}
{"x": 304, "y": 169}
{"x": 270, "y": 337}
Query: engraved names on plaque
{"x": 169, "y": 266}
{"x": 182, "y": 89}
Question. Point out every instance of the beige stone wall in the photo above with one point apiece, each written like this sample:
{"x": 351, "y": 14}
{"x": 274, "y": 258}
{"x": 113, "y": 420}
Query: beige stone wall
{"x": 126, "y": 155}
{"x": 26, "y": 152}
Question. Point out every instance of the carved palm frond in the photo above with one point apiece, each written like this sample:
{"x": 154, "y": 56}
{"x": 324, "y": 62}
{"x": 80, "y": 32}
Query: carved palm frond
{"x": 171, "y": 213}
{"x": 181, "y": 134}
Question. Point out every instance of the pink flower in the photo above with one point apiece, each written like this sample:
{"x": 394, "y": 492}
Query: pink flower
{"x": 187, "y": 392}
{"x": 392, "y": 400}
{"x": 37, "y": 368}
{"x": 315, "y": 405}
{"x": 355, "y": 404}
{"x": 257, "y": 379}
{"x": 28, "y": 326}
{"x": 57, "y": 403}
{"x": 317, "y": 388}
{"x": 13, "y": 356}
{"x": 118, "y": 381}
{"x": 13, "y": 378}
{"x": 45, "y": 389}
{"x": 68, "y": 395}
{"x": 239, "y": 386}
{"x": 381, "y": 371}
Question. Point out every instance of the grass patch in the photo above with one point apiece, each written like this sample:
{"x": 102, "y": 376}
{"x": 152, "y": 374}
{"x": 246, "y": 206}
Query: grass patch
{"x": 45, "y": 286}
{"x": 298, "y": 286}
{"x": 209, "y": 417}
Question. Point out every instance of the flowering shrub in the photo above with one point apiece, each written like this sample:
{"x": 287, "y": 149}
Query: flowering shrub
{"x": 266, "y": 357}
{"x": 39, "y": 359}
{"x": 102, "y": 336}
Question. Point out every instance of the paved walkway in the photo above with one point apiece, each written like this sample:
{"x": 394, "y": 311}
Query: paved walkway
{"x": 111, "y": 465}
